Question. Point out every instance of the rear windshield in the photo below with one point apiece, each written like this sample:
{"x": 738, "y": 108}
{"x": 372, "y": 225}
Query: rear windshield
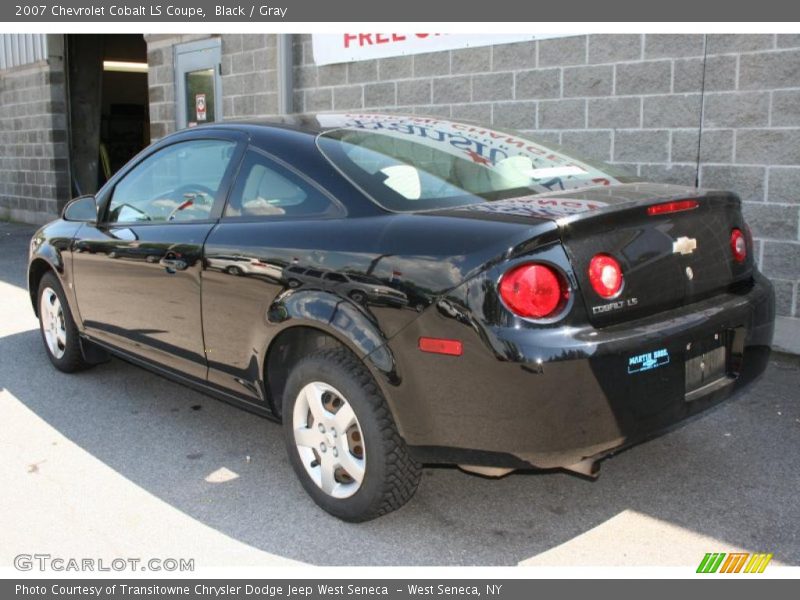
{"x": 420, "y": 163}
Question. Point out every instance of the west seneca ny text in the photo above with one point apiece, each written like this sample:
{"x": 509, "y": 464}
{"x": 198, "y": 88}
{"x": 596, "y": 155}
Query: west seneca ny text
{"x": 245, "y": 11}
{"x": 268, "y": 590}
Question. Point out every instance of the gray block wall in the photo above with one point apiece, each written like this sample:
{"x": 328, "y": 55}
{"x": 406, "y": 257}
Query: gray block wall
{"x": 636, "y": 100}
{"x": 249, "y": 75}
{"x": 34, "y": 185}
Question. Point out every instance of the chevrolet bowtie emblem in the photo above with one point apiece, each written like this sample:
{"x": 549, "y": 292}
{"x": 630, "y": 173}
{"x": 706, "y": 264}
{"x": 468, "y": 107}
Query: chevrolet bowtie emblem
{"x": 684, "y": 245}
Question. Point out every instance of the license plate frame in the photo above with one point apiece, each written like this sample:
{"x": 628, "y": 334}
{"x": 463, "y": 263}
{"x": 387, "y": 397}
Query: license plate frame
{"x": 706, "y": 368}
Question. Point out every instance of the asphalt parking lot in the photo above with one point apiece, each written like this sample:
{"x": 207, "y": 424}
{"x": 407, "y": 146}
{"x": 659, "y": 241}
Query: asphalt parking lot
{"x": 116, "y": 461}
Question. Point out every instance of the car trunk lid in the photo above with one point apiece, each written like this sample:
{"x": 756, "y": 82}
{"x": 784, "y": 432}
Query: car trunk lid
{"x": 667, "y": 259}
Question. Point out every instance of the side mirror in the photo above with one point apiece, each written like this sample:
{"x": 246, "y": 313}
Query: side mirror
{"x": 83, "y": 209}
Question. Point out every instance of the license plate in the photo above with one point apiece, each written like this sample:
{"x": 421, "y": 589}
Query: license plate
{"x": 705, "y": 369}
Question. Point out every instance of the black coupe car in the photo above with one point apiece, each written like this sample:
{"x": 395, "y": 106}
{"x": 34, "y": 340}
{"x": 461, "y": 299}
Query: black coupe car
{"x": 401, "y": 290}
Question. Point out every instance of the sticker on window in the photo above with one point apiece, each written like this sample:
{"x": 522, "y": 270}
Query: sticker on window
{"x": 200, "y": 106}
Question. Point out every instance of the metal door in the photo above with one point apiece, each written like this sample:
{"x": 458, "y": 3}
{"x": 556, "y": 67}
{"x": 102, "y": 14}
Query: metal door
{"x": 198, "y": 84}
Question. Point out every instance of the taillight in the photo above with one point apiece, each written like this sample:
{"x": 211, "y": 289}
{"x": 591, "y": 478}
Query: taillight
{"x": 605, "y": 275}
{"x": 534, "y": 290}
{"x": 738, "y": 245}
{"x": 671, "y": 207}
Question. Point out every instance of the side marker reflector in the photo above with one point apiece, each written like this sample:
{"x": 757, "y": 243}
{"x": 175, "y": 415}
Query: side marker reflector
{"x": 441, "y": 346}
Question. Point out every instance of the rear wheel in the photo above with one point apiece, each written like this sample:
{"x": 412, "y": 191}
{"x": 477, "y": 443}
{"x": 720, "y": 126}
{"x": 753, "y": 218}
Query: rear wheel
{"x": 342, "y": 441}
{"x": 358, "y": 297}
{"x": 58, "y": 329}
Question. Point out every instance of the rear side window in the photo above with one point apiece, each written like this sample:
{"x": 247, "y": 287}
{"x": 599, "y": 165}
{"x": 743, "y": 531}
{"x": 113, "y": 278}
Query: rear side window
{"x": 264, "y": 188}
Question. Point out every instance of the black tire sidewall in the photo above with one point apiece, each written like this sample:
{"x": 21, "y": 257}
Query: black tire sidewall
{"x": 364, "y": 501}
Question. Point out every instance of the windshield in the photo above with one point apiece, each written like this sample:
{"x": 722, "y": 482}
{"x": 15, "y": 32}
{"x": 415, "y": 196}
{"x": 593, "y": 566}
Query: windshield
{"x": 424, "y": 163}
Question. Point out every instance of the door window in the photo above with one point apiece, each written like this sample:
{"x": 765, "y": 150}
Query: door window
{"x": 177, "y": 183}
{"x": 336, "y": 277}
{"x": 200, "y": 96}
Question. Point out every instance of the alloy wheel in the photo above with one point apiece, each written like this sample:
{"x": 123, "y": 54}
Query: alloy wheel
{"x": 53, "y": 326}
{"x": 329, "y": 440}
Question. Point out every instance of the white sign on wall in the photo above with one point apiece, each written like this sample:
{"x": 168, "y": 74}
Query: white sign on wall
{"x": 330, "y": 48}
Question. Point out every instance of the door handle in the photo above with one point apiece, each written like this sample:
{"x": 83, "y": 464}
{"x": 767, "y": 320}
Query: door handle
{"x": 173, "y": 264}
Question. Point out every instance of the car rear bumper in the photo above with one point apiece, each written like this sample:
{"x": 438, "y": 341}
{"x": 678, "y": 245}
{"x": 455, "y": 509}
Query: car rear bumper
{"x": 554, "y": 397}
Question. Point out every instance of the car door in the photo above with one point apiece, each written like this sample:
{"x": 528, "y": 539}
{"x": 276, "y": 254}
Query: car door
{"x": 273, "y": 219}
{"x": 137, "y": 271}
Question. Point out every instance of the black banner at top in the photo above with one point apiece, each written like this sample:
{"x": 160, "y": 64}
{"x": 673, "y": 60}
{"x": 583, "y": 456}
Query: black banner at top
{"x": 304, "y": 11}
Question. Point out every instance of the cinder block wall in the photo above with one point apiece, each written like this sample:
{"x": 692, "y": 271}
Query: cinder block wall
{"x": 34, "y": 184}
{"x": 249, "y": 75}
{"x": 636, "y": 100}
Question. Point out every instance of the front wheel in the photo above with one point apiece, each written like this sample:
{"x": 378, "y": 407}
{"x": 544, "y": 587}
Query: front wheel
{"x": 342, "y": 441}
{"x": 59, "y": 332}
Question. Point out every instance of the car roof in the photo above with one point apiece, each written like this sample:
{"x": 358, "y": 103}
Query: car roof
{"x": 321, "y": 122}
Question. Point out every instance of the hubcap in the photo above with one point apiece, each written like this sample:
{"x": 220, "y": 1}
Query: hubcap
{"x": 52, "y": 315}
{"x": 329, "y": 440}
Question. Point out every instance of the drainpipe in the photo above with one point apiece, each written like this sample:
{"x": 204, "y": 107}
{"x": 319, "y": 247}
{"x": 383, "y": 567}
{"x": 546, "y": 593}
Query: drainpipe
{"x": 285, "y": 75}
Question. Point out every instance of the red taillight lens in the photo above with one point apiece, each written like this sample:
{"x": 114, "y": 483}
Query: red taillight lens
{"x": 738, "y": 245}
{"x": 605, "y": 275}
{"x": 533, "y": 290}
{"x": 671, "y": 207}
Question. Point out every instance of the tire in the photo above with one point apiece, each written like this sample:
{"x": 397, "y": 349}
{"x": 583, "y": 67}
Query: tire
{"x": 358, "y": 297}
{"x": 388, "y": 476}
{"x": 57, "y": 327}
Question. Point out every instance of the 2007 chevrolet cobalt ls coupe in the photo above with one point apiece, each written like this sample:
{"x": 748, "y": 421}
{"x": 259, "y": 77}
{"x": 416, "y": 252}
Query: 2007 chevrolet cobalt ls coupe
{"x": 402, "y": 290}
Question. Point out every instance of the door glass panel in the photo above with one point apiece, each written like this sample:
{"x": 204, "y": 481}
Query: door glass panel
{"x": 177, "y": 183}
{"x": 200, "y": 101}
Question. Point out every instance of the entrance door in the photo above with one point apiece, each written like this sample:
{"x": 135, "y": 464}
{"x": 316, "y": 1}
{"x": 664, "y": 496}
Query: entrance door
{"x": 198, "y": 81}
